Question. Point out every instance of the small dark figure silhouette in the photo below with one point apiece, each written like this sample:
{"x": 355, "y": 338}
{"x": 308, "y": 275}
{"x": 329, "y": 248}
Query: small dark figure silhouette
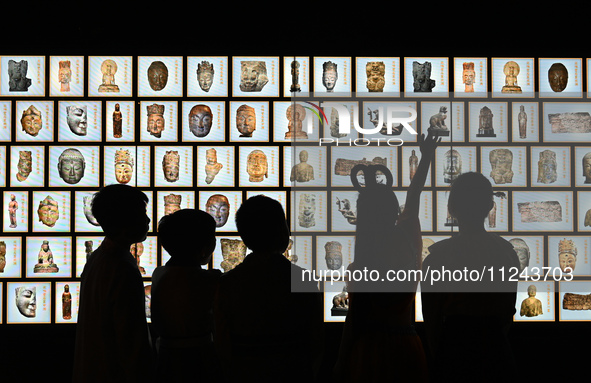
{"x": 379, "y": 342}
{"x": 466, "y": 323}
{"x": 112, "y": 336}
{"x": 264, "y": 331}
{"x": 182, "y": 299}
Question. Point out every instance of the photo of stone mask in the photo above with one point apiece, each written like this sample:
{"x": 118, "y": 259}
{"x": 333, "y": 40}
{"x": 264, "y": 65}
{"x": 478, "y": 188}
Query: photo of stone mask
{"x": 25, "y": 165}
{"x": 257, "y": 166}
{"x": 26, "y": 300}
{"x": 71, "y": 165}
{"x": 253, "y": 76}
{"x": 32, "y": 121}
{"x": 246, "y": 120}
{"x": 156, "y": 120}
{"x": 123, "y": 166}
{"x": 205, "y": 73}
{"x": 77, "y": 119}
{"x": 171, "y": 165}
{"x": 157, "y": 75}
{"x": 17, "y": 76}
{"x": 218, "y": 207}
{"x": 200, "y": 120}
{"x": 334, "y": 256}
{"x": 48, "y": 211}
{"x": 64, "y": 75}
{"x": 330, "y": 75}
{"x": 558, "y": 77}
{"x": 522, "y": 250}
{"x": 87, "y": 208}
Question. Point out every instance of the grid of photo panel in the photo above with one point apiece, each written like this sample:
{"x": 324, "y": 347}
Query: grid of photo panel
{"x": 208, "y": 132}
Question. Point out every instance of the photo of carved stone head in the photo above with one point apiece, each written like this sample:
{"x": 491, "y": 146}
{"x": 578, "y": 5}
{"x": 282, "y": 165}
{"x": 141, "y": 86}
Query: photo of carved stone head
{"x": 64, "y": 75}
{"x": 157, "y": 75}
{"x": 376, "y": 72}
{"x": 171, "y": 165}
{"x": 522, "y": 250}
{"x": 200, "y": 120}
{"x": 501, "y": 161}
{"x": 218, "y": 207}
{"x": 17, "y": 76}
{"x": 25, "y": 165}
{"x": 253, "y": 76}
{"x": 172, "y": 203}
{"x": 32, "y": 121}
{"x": 587, "y": 167}
{"x": 123, "y": 166}
{"x": 452, "y": 167}
{"x": 86, "y": 207}
{"x": 257, "y": 166}
{"x": 26, "y": 300}
{"x": 77, "y": 119}
{"x": 246, "y": 120}
{"x": 205, "y": 73}
{"x": 558, "y": 77}
{"x": 333, "y": 255}
{"x": 330, "y": 75}
{"x": 567, "y": 255}
{"x": 156, "y": 120}
{"x": 233, "y": 252}
{"x": 468, "y": 76}
{"x": 71, "y": 165}
{"x": 48, "y": 211}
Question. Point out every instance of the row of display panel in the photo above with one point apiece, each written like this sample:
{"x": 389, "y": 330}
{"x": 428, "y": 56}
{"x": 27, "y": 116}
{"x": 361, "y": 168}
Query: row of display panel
{"x": 275, "y": 76}
{"x": 164, "y": 121}
{"x": 58, "y": 302}
{"x": 205, "y": 166}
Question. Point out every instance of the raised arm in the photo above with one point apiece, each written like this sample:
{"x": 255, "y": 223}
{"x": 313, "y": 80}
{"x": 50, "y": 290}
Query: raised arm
{"x": 427, "y": 145}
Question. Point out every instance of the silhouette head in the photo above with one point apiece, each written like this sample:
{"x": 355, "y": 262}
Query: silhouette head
{"x": 471, "y": 198}
{"x": 121, "y": 212}
{"x": 188, "y": 234}
{"x": 262, "y": 225}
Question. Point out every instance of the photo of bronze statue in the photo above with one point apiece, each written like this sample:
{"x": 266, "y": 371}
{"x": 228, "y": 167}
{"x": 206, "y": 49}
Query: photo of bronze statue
{"x": 233, "y": 253}
{"x": 200, "y": 120}
{"x": 437, "y": 125}
{"x": 531, "y": 306}
{"x": 421, "y": 74}
{"x": 64, "y": 75}
{"x": 340, "y": 303}
{"x": 136, "y": 250}
{"x": 567, "y": 255}
{"x": 12, "y": 208}
{"x": 307, "y": 210}
{"x": 156, "y": 122}
{"x": 295, "y": 116}
{"x": 257, "y": 166}
{"x": 511, "y": 71}
{"x": 2, "y": 256}
{"x": 17, "y": 76}
{"x": 48, "y": 211}
{"x": 485, "y": 123}
{"x": 333, "y": 255}
{"x": 540, "y": 211}
{"x": 413, "y": 164}
{"x": 117, "y": 122}
{"x": 86, "y": 201}
{"x": 587, "y": 167}
{"x": 344, "y": 207}
{"x": 157, "y": 75}
{"x": 123, "y": 166}
{"x": 523, "y": 252}
{"x": 45, "y": 262}
{"x": 303, "y": 171}
{"x": 558, "y": 77}
{"x": 246, "y": 120}
{"x": 501, "y": 162}
{"x": 468, "y": 77}
{"x": 576, "y": 301}
{"x": 212, "y": 166}
{"x": 375, "y": 72}
{"x": 547, "y": 166}
{"x": 172, "y": 203}
{"x": 205, "y": 73}
{"x": 218, "y": 206}
{"x": 171, "y": 165}
{"x": 67, "y": 303}
{"x": 26, "y": 300}
{"x": 253, "y": 76}
{"x": 570, "y": 122}
{"x": 71, "y": 165}
{"x": 24, "y": 165}
{"x": 522, "y": 121}
{"x": 32, "y": 121}
{"x": 452, "y": 165}
{"x": 330, "y": 75}
{"x": 108, "y": 70}
{"x": 295, "y": 76}
{"x": 77, "y": 119}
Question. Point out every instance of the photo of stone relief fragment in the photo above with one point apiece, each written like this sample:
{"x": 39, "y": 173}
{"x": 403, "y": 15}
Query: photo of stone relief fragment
{"x": 575, "y": 301}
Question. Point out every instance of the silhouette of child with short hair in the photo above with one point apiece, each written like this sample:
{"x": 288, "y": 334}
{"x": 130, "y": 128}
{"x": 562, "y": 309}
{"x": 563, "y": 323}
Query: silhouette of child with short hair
{"x": 112, "y": 336}
{"x": 467, "y": 321}
{"x": 182, "y": 298}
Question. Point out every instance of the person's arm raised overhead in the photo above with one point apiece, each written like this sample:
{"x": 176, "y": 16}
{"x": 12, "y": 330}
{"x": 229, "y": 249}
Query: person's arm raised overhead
{"x": 427, "y": 145}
